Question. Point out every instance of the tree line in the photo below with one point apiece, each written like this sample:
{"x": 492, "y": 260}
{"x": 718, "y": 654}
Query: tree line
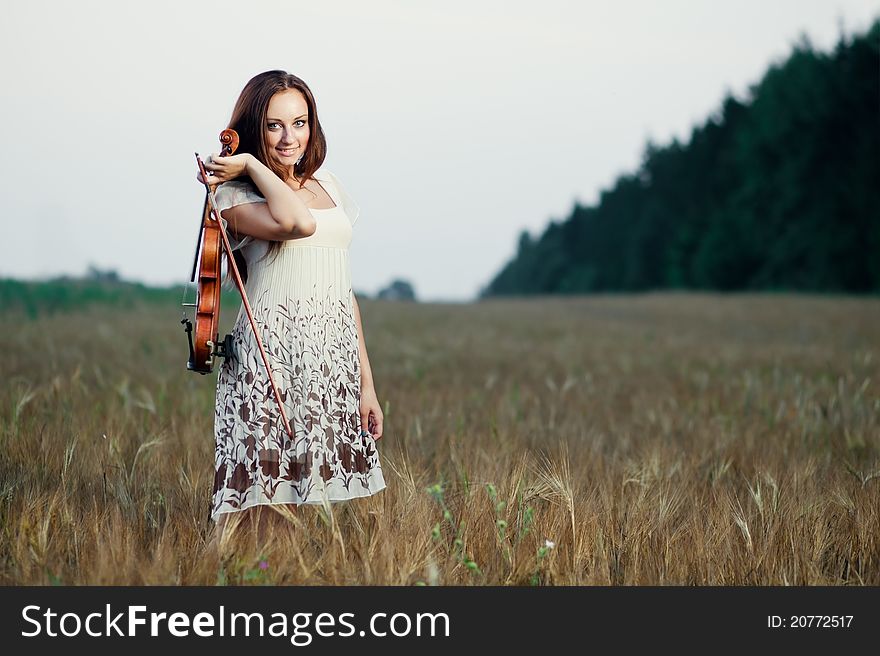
{"x": 778, "y": 192}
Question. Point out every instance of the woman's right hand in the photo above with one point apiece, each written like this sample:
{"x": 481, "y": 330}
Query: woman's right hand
{"x": 222, "y": 169}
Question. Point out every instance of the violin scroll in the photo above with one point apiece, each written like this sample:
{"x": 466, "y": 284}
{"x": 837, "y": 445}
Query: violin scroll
{"x": 229, "y": 142}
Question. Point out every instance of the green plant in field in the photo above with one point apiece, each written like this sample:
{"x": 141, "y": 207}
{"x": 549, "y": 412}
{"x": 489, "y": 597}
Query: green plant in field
{"x": 240, "y": 573}
{"x": 542, "y": 553}
{"x": 258, "y": 574}
{"x": 500, "y": 522}
{"x": 436, "y": 492}
{"x": 523, "y": 526}
{"x": 465, "y": 481}
{"x": 54, "y": 579}
{"x": 528, "y": 517}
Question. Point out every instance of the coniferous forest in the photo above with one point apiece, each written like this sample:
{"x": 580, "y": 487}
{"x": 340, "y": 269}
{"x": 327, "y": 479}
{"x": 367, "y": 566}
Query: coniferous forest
{"x": 778, "y": 192}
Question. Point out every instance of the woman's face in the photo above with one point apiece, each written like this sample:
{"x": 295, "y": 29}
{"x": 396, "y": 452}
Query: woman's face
{"x": 287, "y": 126}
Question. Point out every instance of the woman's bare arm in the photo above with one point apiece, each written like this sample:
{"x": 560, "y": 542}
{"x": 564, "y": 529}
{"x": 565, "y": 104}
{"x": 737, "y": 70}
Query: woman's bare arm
{"x": 372, "y": 417}
{"x": 283, "y": 215}
{"x": 366, "y": 372}
{"x": 288, "y": 209}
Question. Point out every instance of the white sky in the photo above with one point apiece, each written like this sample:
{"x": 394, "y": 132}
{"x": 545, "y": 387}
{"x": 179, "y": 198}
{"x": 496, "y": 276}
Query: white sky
{"x": 453, "y": 124}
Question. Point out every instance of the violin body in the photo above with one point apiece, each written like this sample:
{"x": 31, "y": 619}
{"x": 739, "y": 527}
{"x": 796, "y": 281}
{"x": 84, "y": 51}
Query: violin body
{"x": 208, "y": 304}
{"x": 205, "y": 342}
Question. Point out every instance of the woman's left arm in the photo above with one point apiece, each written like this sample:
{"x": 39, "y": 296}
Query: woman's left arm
{"x": 371, "y": 411}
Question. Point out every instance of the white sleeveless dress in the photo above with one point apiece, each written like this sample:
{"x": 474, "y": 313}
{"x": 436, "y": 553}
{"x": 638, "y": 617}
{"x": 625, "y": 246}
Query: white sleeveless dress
{"x": 302, "y": 304}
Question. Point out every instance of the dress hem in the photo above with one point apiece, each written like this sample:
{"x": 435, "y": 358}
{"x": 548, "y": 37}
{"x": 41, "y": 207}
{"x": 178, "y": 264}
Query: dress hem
{"x": 368, "y": 493}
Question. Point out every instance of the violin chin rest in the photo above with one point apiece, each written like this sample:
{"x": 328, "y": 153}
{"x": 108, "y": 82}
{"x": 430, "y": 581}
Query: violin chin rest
{"x": 226, "y": 348}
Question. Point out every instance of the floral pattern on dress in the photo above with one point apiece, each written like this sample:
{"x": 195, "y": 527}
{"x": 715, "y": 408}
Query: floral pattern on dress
{"x": 312, "y": 345}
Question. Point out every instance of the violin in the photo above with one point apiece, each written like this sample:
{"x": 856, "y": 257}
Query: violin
{"x": 213, "y": 241}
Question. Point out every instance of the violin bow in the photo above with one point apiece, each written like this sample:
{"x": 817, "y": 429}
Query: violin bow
{"x": 215, "y": 215}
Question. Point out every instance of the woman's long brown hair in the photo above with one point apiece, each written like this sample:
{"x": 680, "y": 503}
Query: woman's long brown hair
{"x": 249, "y": 120}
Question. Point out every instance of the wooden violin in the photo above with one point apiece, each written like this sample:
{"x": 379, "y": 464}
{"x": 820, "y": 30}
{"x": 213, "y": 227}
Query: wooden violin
{"x": 204, "y": 342}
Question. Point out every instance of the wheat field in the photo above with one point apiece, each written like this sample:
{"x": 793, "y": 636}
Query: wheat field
{"x": 648, "y": 439}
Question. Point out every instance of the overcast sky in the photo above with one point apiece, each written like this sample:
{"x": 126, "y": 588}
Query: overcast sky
{"x": 454, "y": 124}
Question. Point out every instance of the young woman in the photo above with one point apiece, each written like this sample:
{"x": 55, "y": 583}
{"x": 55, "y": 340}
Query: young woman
{"x": 290, "y": 223}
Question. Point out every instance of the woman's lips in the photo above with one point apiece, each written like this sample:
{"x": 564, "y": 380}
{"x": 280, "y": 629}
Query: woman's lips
{"x": 285, "y": 153}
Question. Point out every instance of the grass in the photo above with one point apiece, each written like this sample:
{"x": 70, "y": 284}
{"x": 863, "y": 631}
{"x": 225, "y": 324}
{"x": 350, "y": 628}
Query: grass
{"x": 675, "y": 439}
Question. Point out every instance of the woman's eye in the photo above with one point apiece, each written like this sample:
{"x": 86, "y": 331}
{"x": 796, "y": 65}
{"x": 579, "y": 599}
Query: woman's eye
{"x": 274, "y": 126}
